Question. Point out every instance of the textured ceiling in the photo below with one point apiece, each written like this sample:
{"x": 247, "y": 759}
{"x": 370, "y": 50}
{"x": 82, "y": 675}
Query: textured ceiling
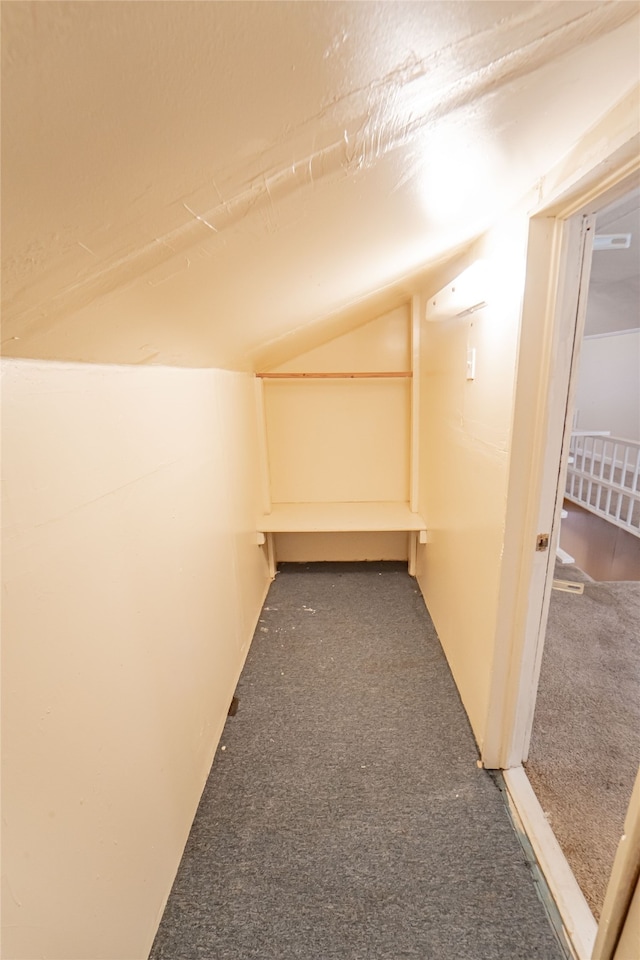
{"x": 191, "y": 182}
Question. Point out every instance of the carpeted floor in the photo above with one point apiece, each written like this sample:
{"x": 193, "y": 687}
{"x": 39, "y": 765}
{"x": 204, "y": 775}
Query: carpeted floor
{"x": 585, "y": 747}
{"x": 345, "y": 817}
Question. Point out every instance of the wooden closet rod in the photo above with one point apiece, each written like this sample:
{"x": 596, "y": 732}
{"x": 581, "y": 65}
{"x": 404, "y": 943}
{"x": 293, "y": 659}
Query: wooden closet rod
{"x": 335, "y": 376}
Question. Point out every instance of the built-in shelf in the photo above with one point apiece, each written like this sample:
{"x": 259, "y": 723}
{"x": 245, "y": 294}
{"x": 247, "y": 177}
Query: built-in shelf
{"x": 378, "y": 420}
{"x": 374, "y": 375}
{"x": 341, "y": 518}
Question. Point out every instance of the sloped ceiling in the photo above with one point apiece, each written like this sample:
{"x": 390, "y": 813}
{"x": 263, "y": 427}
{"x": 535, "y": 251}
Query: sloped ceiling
{"x": 194, "y": 182}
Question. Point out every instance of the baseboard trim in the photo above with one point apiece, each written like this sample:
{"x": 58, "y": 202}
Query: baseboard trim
{"x": 579, "y": 922}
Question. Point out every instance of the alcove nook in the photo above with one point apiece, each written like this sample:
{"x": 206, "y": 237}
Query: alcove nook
{"x": 340, "y": 458}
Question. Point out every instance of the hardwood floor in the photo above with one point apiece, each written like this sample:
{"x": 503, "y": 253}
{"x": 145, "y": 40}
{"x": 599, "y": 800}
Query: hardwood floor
{"x": 601, "y": 549}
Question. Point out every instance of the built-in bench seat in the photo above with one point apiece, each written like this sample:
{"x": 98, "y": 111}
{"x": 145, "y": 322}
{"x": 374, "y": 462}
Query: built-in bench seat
{"x": 341, "y": 518}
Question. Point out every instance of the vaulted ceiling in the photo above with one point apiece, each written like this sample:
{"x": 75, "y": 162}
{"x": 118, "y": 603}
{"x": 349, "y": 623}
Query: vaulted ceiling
{"x": 190, "y": 182}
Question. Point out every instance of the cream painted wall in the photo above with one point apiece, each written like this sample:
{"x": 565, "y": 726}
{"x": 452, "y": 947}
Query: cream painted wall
{"x": 131, "y": 587}
{"x": 312, "y": 548}
{"x": 479, "y": 483}
{"x": 338, "y": 440}
{"x": 608, "y": 393}
{"x": 379, "y": 344}
{"x": 464, "y": 461}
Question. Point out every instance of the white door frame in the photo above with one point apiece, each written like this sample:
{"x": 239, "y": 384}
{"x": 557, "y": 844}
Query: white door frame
{"x": 554, "y": 308}
{"x": 624, "y": 883}
{"x": 574, "y": 270}
{"x": 558, "y": 261}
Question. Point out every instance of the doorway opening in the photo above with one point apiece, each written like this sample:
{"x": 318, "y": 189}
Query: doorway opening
{"x": 585, "y": 743}
{"x": 559, "y": 453}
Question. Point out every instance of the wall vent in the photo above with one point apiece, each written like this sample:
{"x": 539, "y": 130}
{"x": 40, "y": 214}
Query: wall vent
{"x": 612, "y": 241}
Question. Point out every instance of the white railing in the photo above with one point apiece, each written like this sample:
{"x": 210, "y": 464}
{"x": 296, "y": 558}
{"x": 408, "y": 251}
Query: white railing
{"x": 604, "y": 477}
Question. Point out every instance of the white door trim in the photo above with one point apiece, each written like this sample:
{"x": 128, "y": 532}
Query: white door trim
{"x": 623, "y": 882}
{"x": 567, "y": 336}
{"x": 579, "y": 923}
{"x": 550, "y": 330}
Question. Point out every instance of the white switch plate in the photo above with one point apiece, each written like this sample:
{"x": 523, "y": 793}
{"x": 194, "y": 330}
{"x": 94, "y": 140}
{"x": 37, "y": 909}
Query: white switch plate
{"x": 471, "y": 363}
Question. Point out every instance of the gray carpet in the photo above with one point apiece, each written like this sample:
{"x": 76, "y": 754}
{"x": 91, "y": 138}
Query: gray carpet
{"x": 585, "y": 747}
{"x": 345, "y": 817}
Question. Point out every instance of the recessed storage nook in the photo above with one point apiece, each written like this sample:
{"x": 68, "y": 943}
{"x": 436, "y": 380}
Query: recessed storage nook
{"x": 340, "y": 447}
